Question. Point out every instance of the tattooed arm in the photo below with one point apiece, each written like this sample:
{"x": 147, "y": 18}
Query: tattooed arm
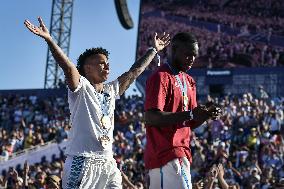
{"x": 70, "y": 71}
{"x": 140, "y": 65}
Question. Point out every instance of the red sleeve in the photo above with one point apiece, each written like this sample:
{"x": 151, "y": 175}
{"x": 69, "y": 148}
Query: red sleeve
{"x": 155, "y": 92}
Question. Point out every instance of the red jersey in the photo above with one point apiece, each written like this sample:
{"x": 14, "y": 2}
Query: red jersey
{"x": 172, "y": 141}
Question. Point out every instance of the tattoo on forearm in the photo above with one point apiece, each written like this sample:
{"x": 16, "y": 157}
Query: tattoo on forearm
{"x": 144, "y": 61}
{"x": 136, "y": 69}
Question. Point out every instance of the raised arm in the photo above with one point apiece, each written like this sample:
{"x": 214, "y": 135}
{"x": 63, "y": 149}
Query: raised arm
{"x": 140, "y": 65}
{"x": 71, "y": 73}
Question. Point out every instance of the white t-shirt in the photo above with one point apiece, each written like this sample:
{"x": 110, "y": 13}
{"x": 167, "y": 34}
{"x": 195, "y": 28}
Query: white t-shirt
{"x": 86, "y": 113}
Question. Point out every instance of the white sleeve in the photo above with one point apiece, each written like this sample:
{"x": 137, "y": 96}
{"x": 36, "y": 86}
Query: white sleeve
{"x": 82, "y": 82}
{"x": 73, "y": 95}
{"x": 77, "y": 94}
{"x": 114, "y": 87}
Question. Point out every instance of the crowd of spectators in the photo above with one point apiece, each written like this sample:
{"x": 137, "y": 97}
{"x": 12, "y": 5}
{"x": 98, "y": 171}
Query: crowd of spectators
{"x": 261, "y": 8}
{"x": 243, "y": 149}
{"x": 215, "y": 49}
{"x": 245, "y": 146}
{"x": 26, "y": 121}
{"x": 38, "y": 176}
{"x": 260, "y": 16}
{"x": 247, "y": 140}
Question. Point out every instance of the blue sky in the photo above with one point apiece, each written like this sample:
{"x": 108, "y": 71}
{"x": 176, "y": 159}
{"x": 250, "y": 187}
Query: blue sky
{"x": 95, "y": 23}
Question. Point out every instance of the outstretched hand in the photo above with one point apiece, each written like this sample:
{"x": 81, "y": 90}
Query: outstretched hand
{"x": 40, "y": 30}
{"x": 202, "y": 113}
{"x": 161, "y": 42}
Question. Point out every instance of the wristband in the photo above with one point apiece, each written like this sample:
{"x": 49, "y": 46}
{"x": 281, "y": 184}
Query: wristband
{"x": 154, "y": 49}
{"x": 158, "y": 56}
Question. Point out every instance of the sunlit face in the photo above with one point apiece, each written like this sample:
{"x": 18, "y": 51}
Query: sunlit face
{"x": 97, "y": 67}
{"x": 184, "y": 55}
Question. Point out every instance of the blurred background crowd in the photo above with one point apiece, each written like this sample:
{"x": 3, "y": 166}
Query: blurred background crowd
{"x": 244, "y": 149}
{"x": 236, "y": 35}
{"x": 247, "y": 140}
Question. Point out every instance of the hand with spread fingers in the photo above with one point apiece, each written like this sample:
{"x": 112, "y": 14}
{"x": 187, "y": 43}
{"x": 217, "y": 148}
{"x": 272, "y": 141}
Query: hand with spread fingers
{"x": 161, "y": 42}
{"x": 200, "y": 113}
{"x": 40, "y": 30}
{"x": 71, "y": 73}
{"x": 204, "y": 112}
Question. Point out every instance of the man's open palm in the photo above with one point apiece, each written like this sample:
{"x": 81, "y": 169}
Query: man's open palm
{"x": 161, "y": 42}
{"x": 40, "y": 30}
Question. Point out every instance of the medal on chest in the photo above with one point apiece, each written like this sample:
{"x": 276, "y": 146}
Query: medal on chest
{"x": 183, "y": 88}
{"x": 105, "y": 122}
{"x": 104, "y": 119}
{"x": 185, "y": 102}
{"x": 104, "y": 104}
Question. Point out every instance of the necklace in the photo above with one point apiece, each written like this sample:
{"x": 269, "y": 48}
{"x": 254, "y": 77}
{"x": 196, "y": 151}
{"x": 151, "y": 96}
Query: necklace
{"x": 104, "y": 105}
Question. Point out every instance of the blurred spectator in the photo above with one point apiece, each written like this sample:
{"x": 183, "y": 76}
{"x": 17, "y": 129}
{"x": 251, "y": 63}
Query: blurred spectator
{"x": 217, "y": 49}
{"x": 247, "y": 142}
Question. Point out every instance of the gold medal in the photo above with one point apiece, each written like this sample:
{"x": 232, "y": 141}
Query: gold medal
{"x": 106, "y": 122}
{"x": 185, "y": 98}
{"x": 105, "y": 141}
{"x": 185, "y": 102}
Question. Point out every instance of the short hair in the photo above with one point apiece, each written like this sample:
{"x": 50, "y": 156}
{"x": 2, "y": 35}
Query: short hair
{"x": 88, "y": 53}
{"x": 183, "y": 37}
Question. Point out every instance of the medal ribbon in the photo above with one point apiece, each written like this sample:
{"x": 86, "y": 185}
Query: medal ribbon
{"x": 183, "y": 87}
{"x": 105, "y": 108}
{"x": 104, "y": 105}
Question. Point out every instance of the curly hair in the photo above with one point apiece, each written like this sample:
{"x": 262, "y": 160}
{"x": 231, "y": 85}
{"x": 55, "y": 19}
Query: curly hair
{"x": 89, "y": 52}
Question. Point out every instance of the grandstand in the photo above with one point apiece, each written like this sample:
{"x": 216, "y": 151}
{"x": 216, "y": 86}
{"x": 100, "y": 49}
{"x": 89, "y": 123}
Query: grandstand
{"x": 238, "y": 52}
{"x": 240, "y": 67}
